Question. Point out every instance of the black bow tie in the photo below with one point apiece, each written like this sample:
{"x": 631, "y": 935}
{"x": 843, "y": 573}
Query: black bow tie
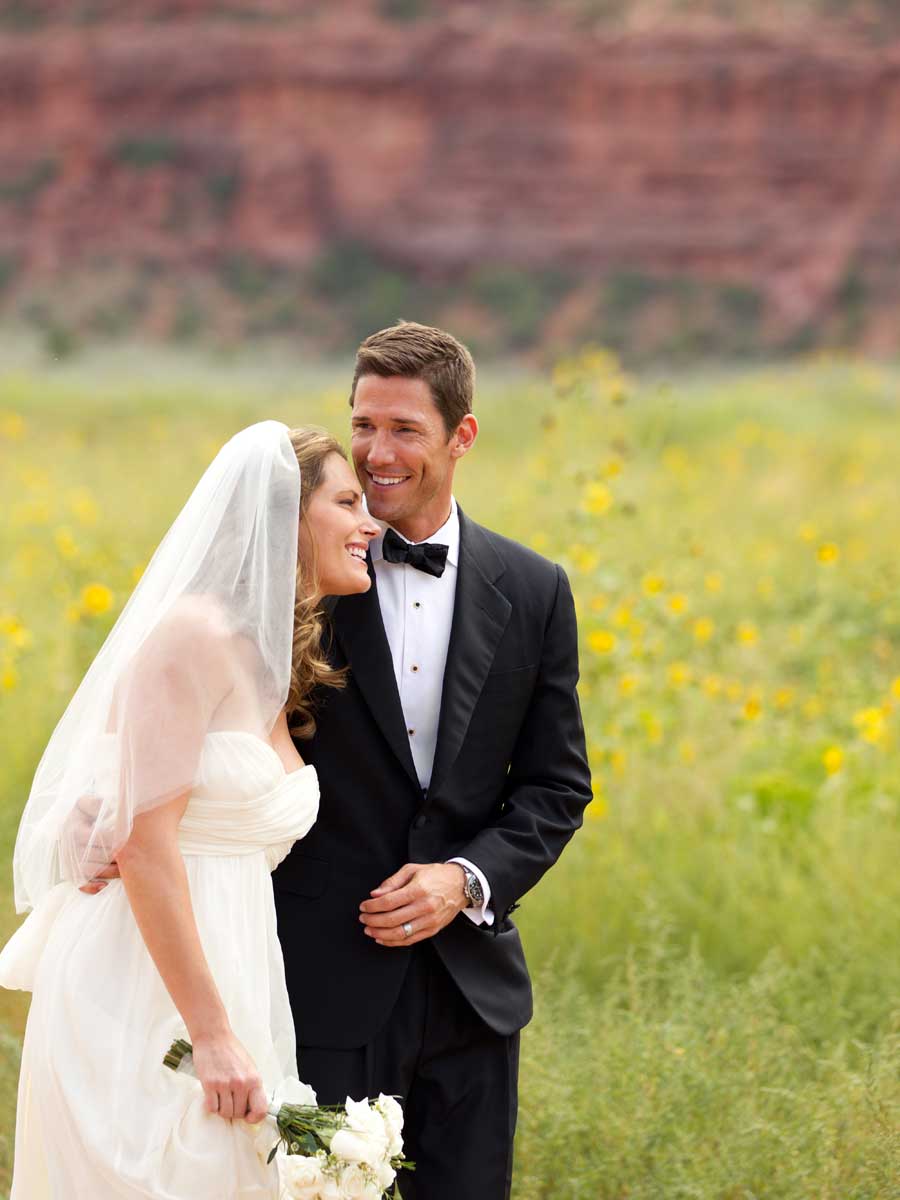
{"x": 424, "y": 556}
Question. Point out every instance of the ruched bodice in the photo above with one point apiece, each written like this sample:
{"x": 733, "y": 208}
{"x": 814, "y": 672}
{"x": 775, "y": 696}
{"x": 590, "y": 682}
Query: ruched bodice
{"x": 245, "y": 801}
{"x": 101, "y": 1018}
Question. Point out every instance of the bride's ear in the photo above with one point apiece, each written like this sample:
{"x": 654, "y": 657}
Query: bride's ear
{"x": 464, "y": 437}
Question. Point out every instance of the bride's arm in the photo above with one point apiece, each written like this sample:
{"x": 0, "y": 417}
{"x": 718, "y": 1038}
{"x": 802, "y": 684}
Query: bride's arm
{"x": 155, "y": 880}
{"x": 181, "y": 676}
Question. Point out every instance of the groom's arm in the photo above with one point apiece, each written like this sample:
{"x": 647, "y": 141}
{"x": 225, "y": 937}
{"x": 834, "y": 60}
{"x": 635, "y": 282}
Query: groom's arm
{"x": 548, "y": 788}
{"x": 549, "y": 782}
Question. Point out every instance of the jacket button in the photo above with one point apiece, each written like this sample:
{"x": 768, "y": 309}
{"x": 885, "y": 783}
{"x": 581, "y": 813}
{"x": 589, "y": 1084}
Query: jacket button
{"x": 420, "y": 822}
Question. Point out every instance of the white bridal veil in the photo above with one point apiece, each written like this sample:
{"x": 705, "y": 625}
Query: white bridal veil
{"x": 205, "y": 638}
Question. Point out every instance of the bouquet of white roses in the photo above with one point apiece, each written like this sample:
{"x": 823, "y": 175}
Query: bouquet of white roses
{"x": 327, "y": 1152}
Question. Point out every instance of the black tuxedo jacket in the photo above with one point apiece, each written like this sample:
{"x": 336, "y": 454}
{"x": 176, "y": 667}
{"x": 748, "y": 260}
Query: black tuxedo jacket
{"x": 508, "y": 788}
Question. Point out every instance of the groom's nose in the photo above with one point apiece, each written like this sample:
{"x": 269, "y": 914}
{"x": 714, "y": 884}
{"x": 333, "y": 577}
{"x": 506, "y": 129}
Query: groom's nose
{"x": 381, "y": 450}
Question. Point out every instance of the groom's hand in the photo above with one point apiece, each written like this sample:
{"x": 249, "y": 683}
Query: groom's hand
{"x": 423, "y": 896}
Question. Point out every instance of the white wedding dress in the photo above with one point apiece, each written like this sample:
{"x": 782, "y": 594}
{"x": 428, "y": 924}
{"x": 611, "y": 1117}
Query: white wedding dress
{"x": 99, "y": 1116}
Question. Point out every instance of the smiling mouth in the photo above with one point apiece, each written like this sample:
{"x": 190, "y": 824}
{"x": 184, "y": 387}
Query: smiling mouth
{"x": 357, "y": 552}
{"x": 387, "y": 480}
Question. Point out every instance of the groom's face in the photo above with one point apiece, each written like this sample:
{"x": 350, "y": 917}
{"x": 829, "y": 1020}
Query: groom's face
{"x": 402, "y": 454}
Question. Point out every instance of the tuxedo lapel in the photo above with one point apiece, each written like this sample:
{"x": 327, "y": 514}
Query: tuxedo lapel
{"x": 360, "y": 631}
{"x": 480, "y": 615}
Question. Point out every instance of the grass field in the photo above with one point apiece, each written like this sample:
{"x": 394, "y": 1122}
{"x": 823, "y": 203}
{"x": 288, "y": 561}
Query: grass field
{"x": 716, "y": 956}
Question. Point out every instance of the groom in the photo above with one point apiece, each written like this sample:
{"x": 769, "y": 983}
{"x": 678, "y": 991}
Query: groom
{"x": 453, "y": 773}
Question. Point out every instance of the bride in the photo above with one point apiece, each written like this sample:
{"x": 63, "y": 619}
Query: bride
{"x": 175, "y": 758}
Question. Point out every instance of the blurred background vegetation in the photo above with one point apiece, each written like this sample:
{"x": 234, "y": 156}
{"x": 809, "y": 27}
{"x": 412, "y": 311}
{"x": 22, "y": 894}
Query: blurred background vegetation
{"x": 717, "y": 977}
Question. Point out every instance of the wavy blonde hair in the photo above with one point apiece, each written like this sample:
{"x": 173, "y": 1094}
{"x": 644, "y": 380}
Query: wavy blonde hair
{"x": 310, "y": 667}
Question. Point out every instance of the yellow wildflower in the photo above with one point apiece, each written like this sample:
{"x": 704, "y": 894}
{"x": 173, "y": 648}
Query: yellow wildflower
{"x": 601, "y": 641}
{"x": 612, "y": 468}
{"x": 12, "y": 426}
{"x": 652, "y": 727}
{"x": 652, "y": 584}
{"x": 678, "y": 604}
{"x": 807, "y": 531}
{"x": 713, "y": 582}
{"x": 65, "y": 543}
{"x": 703, "y": 629}
{"x": 597, "y": 498}
{"x": 871, "y": 724}
{"x": 747, "y": 633}
{"x": 828, "y": 552}
{"x": 784, "y": 697}
{"x": 598, "y": 807}
{"x": 621, "y": 618}
{"x": 679, "y": 674}
{"x": 96, "y": 599}
{"x": 895, "y": 688}
{"x": 628, "y": 684}
{"x": 585, "y": 558}
{"x": 712, "y": 686}
{"x": 8, "y": 678}
{"x": 833, "y": 759}
{"x": 687, "y": 752}
{"x": 618, "y": 760}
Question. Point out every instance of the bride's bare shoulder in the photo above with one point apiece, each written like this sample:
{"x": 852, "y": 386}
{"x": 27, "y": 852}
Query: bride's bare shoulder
{"x": 194, "y": 634}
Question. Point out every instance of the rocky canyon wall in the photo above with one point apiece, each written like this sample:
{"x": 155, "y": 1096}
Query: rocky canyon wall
{"x": 739, "y": 160}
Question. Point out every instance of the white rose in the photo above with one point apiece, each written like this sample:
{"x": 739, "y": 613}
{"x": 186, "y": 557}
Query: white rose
{"x": 301, "y": 1176}
{"x": 352, "y": 1146}
{"x": 385, "y": 1174}
{"x": 355, "y": 1185}
{"x": 364, "y": 1118}
{"x": 330, "y": 1189}
{"x": 292, "y": 1091}
{"x": 364, "y": 1137}
{"x": 393, "y": 1123}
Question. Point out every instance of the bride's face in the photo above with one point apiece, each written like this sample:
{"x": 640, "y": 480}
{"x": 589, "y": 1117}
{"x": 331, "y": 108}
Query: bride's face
{"x": 335, "y": 531}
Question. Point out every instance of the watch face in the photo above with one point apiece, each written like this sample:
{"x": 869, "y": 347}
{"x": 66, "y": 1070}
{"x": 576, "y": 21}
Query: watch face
{"x": 474, "y": 890}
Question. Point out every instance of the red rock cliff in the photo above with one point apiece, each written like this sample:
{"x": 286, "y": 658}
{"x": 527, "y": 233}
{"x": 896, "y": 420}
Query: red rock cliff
{"x": 737, "y": 159}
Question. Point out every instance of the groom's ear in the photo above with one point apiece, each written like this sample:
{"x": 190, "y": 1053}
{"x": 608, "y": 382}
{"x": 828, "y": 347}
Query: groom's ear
{"x": 463, "y": 439}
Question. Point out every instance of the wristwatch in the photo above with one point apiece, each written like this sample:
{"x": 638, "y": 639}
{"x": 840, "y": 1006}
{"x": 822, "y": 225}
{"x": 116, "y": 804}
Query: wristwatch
{"x": 473, "y": 889}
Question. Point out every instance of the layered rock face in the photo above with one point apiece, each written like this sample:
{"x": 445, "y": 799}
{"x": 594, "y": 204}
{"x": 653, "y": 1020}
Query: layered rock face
{"x": 738, "y": 160}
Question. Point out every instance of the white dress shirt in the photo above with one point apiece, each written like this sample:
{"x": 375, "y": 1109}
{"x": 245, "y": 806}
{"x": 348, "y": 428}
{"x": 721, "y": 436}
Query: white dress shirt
{"x": 417, "y": 611}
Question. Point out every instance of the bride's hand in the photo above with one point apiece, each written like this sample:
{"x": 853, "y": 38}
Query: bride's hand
{"x": 230, "y": 1079}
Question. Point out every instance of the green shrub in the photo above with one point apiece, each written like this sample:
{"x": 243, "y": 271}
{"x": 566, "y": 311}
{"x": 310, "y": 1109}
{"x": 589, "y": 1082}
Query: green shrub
{"x": 145, "y": 151}
{"x": 22, "y": 189}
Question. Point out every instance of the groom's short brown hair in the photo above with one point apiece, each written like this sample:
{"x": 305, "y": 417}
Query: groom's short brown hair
{"x": 415, "y": 351}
